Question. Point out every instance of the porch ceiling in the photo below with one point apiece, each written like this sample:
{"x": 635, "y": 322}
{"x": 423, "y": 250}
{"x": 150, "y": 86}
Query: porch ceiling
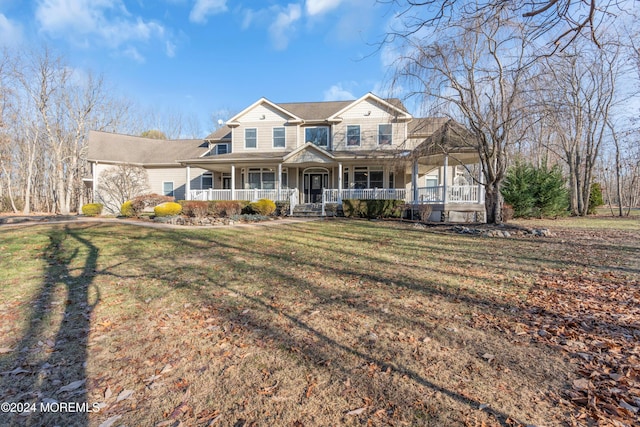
{"x": 454, "y": 159}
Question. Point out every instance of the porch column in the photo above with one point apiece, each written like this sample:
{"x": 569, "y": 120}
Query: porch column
{"x": 444, "y": 178}
{"x": 187, "y": 186}
{"x": 233, "y": 182}
{"x": 339, "y": 182}
{"x": 414, "y": 181}
{"x": 94, "y": 182}
{"x": 279, "y": 180}
{"x": 480, "y": 182}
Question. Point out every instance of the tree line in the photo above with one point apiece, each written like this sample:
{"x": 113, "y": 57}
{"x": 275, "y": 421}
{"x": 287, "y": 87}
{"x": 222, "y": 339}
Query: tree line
{"x": 47, "y": 108}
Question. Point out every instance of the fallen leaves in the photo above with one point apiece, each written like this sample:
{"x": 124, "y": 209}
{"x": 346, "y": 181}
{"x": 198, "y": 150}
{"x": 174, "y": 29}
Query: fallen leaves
{"x": 72, "y": 386}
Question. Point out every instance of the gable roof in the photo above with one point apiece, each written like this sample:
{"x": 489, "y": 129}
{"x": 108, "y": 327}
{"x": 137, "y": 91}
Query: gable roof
{"x": 221, "y": 134}
{"x": 117, "y": 148}
{"x": 391, "y": 105}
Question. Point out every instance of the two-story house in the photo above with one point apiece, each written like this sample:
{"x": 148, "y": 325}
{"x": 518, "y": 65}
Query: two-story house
{"x": 323, "y": 152}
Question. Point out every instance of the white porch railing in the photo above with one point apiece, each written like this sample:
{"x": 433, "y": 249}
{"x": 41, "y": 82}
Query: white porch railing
{"x": 251, "y": 195}
{"x": 455, "y": 194}
{"x": 334, "y": 195}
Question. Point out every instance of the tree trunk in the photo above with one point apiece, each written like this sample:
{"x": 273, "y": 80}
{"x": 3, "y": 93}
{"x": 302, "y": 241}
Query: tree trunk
{"x": 493, "y": 204}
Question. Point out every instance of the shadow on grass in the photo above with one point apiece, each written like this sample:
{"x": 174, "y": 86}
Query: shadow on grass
{"x": 48, "y": 365}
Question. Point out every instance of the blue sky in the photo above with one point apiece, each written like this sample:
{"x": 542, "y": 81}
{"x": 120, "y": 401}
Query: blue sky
{"x": 208, "y": 57}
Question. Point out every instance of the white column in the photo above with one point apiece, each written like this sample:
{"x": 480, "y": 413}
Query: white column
{"x": 279, "y": 179}
{"x": 94, "y": 183}
{"x": 480, "y": 181}
{"x": 444, "y": 178}
{"x": 187, "y": 186}
{"x": 233, "y": 182}
{"x": 339, "y": 182}
{"x": 414, "y": 180}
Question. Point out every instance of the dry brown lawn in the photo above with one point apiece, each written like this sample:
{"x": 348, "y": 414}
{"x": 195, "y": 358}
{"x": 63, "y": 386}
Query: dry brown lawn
{"x": 320, "y": 323}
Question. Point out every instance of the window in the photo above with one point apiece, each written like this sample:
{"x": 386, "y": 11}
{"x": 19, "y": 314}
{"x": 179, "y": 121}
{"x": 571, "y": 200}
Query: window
{"x": 226, "y": 181}
{"x": 392, "y": 180}
{"x": 278, "y": 137}
{"x": 264, "y": 178}
{"x": 384, "y": 134}
{"x": 345, "y": 178}
{"x": 375, "y": 178}
{"x": 167, "y": 188}
{"x": 251, "y": 138}
{"x": 207, "y": 180}
{"x": 222, "y": 148}
{"x": 432, "y": 181}
{"x": 353, "y": 135}
{"x": 317, "y": 135}
{"x": 360, "y": 178}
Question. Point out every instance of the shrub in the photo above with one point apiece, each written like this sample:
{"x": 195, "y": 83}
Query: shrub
{"x": 92, "y": 209}
{"x": 226, "y": 208}
{"x": 535, "y": 192}
{"x": 137, "y": 205}
{"x": 167, "y": 209}
{"x": 127, "y": 209}
{"x": 424, "y": 210}
{"x": 263, "y": 207}
{"x": 282, "y": 208}
{"x": 195, "y": 208}
{"x": 360, "y": 208}
{"x": 595, "y": 198}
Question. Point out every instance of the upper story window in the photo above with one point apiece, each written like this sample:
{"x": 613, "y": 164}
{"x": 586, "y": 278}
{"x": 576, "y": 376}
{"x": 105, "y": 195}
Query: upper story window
{"x": 279, "y": 137}
{"x": 384, "y": 134}
{"x": 251, "y": 138}
{"x": 353, "y": 135}
{"x": 317, "y": 135}
{"x": 222, "y": 148}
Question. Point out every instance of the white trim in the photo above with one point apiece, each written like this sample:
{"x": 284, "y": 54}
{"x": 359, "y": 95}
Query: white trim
{"x": 377, "y": 99}
{"x": 202, "y": 180}
{"x": 233, "y": 120}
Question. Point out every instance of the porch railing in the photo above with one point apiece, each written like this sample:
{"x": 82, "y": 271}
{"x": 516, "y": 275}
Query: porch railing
{"x": 252, "y": 195}
{"x": 334, "y": 195}
{"x": 455, "y": 194}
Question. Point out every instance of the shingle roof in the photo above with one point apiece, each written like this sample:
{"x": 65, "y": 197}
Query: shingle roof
{"x": 314, "y": 110}
{"x": 113, "y": 147}
{"x": 219, "y": 134}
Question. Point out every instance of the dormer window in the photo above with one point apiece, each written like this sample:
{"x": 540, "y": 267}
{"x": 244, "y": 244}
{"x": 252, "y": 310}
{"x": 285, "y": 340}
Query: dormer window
{"x": 222, "y": 148}
{"x": 317, "y": 135}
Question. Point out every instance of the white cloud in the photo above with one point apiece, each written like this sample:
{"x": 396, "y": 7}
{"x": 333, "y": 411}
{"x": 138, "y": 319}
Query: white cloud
{"x": 10, "y": 32}
{"x": 170, "y": 49}
{"x": 338, "y": 93}
{"x": 205, "y": 8}
{"x": 132, "y": 53}
{"x": 102, "y": 22}
{"x": 318, "y": 7}
{"x": 280, "y": 30}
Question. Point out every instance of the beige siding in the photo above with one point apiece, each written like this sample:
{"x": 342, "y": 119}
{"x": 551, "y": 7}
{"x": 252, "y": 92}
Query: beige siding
{"x": 157, "y": 176}
{"x": 264, "y": 119}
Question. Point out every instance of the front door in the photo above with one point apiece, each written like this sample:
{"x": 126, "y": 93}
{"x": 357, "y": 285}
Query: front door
{"x": 315, "y": 188}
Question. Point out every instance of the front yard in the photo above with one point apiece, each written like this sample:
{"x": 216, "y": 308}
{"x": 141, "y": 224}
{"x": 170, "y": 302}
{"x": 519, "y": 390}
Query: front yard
{"x": 333, "y": 322}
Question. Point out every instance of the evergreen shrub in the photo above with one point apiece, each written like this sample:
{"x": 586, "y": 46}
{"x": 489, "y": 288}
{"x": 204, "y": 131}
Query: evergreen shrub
{"x": 167, "y": 209}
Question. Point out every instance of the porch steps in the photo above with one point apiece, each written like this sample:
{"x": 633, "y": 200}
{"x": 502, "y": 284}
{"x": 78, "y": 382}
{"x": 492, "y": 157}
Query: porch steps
{"x": 315, "y": 210}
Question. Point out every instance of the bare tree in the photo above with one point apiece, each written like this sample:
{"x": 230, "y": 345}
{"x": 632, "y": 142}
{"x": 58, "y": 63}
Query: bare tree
{"x": 475, "y": 73}
{"x": 583, "y": 90}
{"x": 559, "y": 22}
{"x": 121, "y": 183}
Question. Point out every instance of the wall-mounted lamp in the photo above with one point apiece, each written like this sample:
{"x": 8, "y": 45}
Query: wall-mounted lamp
{"x": 262, "y": 117}
{"x": 368, "y": 113}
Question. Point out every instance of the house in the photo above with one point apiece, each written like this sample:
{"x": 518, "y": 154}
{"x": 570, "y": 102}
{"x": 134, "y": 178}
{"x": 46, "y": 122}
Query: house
{"x": 319, "y": 153}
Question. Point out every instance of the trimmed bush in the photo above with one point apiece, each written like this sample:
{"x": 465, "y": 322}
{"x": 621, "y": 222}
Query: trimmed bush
{"x": 92, "y": 209}
{"x": 195, "y": 208}
{"x": 167, "y": 209}
{"x": 263, "y": 207}
{"x": 226, "y": 208}
{"x": 360, "y": 208}
{"x": 282, "y": 208}
{"x": 127, "y": 209}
